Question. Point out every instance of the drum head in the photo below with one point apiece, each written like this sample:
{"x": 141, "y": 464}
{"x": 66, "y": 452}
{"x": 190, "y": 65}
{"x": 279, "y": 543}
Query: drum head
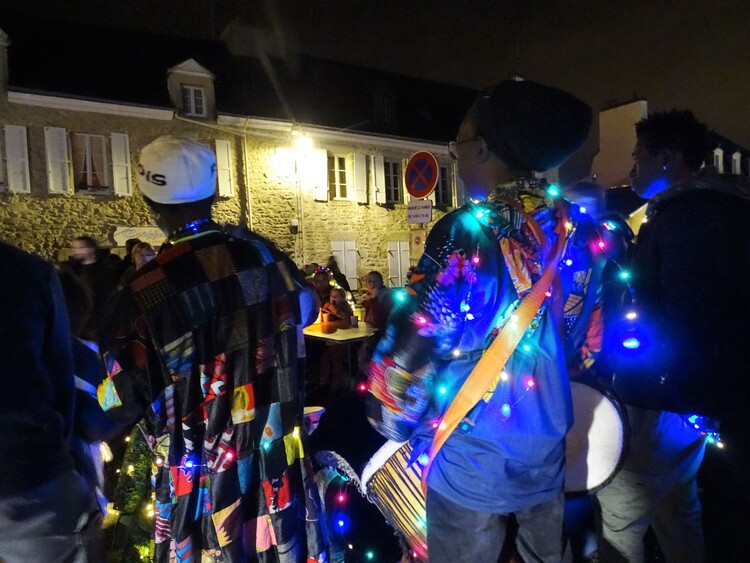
{"x": 595, "y": 443}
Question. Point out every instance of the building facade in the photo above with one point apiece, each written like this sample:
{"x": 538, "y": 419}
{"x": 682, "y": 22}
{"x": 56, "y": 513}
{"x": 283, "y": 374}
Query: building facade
{"x": 69, "y": 167}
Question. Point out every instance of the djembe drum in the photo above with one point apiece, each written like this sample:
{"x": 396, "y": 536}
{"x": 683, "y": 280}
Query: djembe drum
{"x": 394, "y": 485}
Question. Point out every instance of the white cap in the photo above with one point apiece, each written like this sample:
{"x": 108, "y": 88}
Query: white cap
{"x": 175, "y": 170}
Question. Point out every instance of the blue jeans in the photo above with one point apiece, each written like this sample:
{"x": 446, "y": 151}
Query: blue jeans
{"x": 656, "y": 487}
{"x": 458, "y": 535}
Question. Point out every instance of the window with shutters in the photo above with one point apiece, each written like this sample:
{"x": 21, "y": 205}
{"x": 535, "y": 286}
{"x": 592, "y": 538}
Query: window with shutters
{"x": 393, "y": 190}
{"x": 338, "y": 181}
{"x": 99, "y": 164}
{"x": 193, "y": 101}
{"x": 443, "y": 191}
{"x": 90, "y": 166}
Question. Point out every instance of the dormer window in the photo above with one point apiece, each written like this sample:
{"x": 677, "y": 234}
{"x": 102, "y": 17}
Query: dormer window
{"x": 193, "y": 101}
{"x": 191, "y": 90}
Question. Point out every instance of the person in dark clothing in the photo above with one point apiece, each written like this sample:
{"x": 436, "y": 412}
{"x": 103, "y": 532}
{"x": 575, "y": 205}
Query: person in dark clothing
{"x": 127, "y": 261}
{"x": 92, "y": 266}
{"x": 140, "y": 254}
{"x": 92, "y": 425}
{"x": 337, "y": 274}
{"x": 44, "y": 503}
{"x": 684, "y": 354}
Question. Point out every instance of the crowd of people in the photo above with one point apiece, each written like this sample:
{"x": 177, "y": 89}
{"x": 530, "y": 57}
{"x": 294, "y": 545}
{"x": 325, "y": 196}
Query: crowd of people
{"x": 519, "y": 292}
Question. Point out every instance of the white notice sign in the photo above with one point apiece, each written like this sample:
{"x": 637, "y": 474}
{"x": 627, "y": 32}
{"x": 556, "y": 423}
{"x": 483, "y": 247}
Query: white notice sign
{"x": 152, "y": 235}
{"x": 419, "y": 211}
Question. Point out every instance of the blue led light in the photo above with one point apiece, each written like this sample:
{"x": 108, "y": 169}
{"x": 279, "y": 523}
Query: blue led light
{"x": 631, "y": 343}
{"x": 624, "y": 275}
{"x": 423, "y": 460}
{"x": 505, "y": 409}
{"x": 553, "y": 190}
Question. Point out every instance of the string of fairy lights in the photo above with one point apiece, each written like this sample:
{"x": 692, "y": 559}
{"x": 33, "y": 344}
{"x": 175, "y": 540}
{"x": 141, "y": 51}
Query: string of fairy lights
{"x": 340, "y": 513}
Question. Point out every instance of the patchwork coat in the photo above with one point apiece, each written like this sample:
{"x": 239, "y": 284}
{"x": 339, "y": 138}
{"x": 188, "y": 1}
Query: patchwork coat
{"x": 206, "y": 345}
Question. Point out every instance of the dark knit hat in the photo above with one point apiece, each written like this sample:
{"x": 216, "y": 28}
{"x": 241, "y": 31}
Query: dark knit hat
{"x": 532, "y": 126}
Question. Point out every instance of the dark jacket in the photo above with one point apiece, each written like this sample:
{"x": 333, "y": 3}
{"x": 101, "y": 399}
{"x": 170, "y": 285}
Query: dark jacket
{"x": 37, "y": 398}
{"x": 691, "y": 273}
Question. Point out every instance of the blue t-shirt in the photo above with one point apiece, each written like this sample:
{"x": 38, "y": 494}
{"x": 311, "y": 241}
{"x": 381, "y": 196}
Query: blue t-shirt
{"x": 479, "y": 262}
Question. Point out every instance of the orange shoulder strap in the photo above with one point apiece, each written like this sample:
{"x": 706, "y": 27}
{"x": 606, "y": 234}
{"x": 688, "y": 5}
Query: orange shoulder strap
{"x": 495, "y": 357}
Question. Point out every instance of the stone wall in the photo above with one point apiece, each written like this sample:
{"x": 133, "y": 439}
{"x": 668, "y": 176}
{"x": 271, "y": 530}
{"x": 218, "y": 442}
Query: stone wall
{"x": 45, "y": 224}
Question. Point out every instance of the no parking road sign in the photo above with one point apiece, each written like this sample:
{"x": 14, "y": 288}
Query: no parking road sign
{"x": 421, "y": 174}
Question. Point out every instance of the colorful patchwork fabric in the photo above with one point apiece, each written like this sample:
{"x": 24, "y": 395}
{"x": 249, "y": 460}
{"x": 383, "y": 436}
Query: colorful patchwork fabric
{"x": 205, "y": 346}
{"x": 479, "y": 262}
{"x": 581, "y": 285}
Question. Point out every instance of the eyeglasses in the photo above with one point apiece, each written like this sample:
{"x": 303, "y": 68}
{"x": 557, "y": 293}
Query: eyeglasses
{"x": 453, "y": 144}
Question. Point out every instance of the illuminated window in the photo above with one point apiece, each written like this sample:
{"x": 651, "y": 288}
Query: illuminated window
{"x": 90, "y": 167}
{"x": 337, "y": 178}
{"x": 443, "y": 192}
{"x": 193, "y": 101}
{"x": 393, "y": 191}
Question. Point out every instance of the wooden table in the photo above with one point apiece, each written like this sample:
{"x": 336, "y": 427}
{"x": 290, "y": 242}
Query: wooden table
{"x": 339, "y": 335}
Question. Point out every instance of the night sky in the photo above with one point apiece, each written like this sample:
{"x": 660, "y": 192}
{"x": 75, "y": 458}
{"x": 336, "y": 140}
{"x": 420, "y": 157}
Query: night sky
{"x": 689, "y": 54}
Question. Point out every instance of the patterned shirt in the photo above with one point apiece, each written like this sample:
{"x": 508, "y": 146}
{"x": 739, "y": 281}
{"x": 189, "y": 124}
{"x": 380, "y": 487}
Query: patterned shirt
{"x": 205, "y": 345}
{"x": 479, "y": 262}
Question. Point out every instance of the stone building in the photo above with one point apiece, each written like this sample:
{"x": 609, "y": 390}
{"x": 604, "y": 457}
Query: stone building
{"x": 311, "y": 154}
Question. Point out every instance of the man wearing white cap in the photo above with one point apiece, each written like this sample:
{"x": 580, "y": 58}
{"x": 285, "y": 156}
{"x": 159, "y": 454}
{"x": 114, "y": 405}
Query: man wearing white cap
{"x": 205, "y": 346}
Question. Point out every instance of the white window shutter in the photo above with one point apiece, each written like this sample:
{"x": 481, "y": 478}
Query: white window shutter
{"x": 378, "y": 169}
{"x": 403, "y": 260}
{"x": 58, "y": 168}
{"x": 360, "y": 178}
{"x": 337, "y": 251}
{"x": 719, "y": 160}
{"x": 394, "y": 265}
{"x": 313, "y": 173}
{"x": 17, "y": 158}
{"x": 460, "y": 188}
{"x": 350, "y": 189}
{"x": 405, "y": 195}
{"x": 350, "y": 264}
{"x": 224, "y": 168}
{"x": 737, "y": 162}
{"x": 121, "y": 179}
